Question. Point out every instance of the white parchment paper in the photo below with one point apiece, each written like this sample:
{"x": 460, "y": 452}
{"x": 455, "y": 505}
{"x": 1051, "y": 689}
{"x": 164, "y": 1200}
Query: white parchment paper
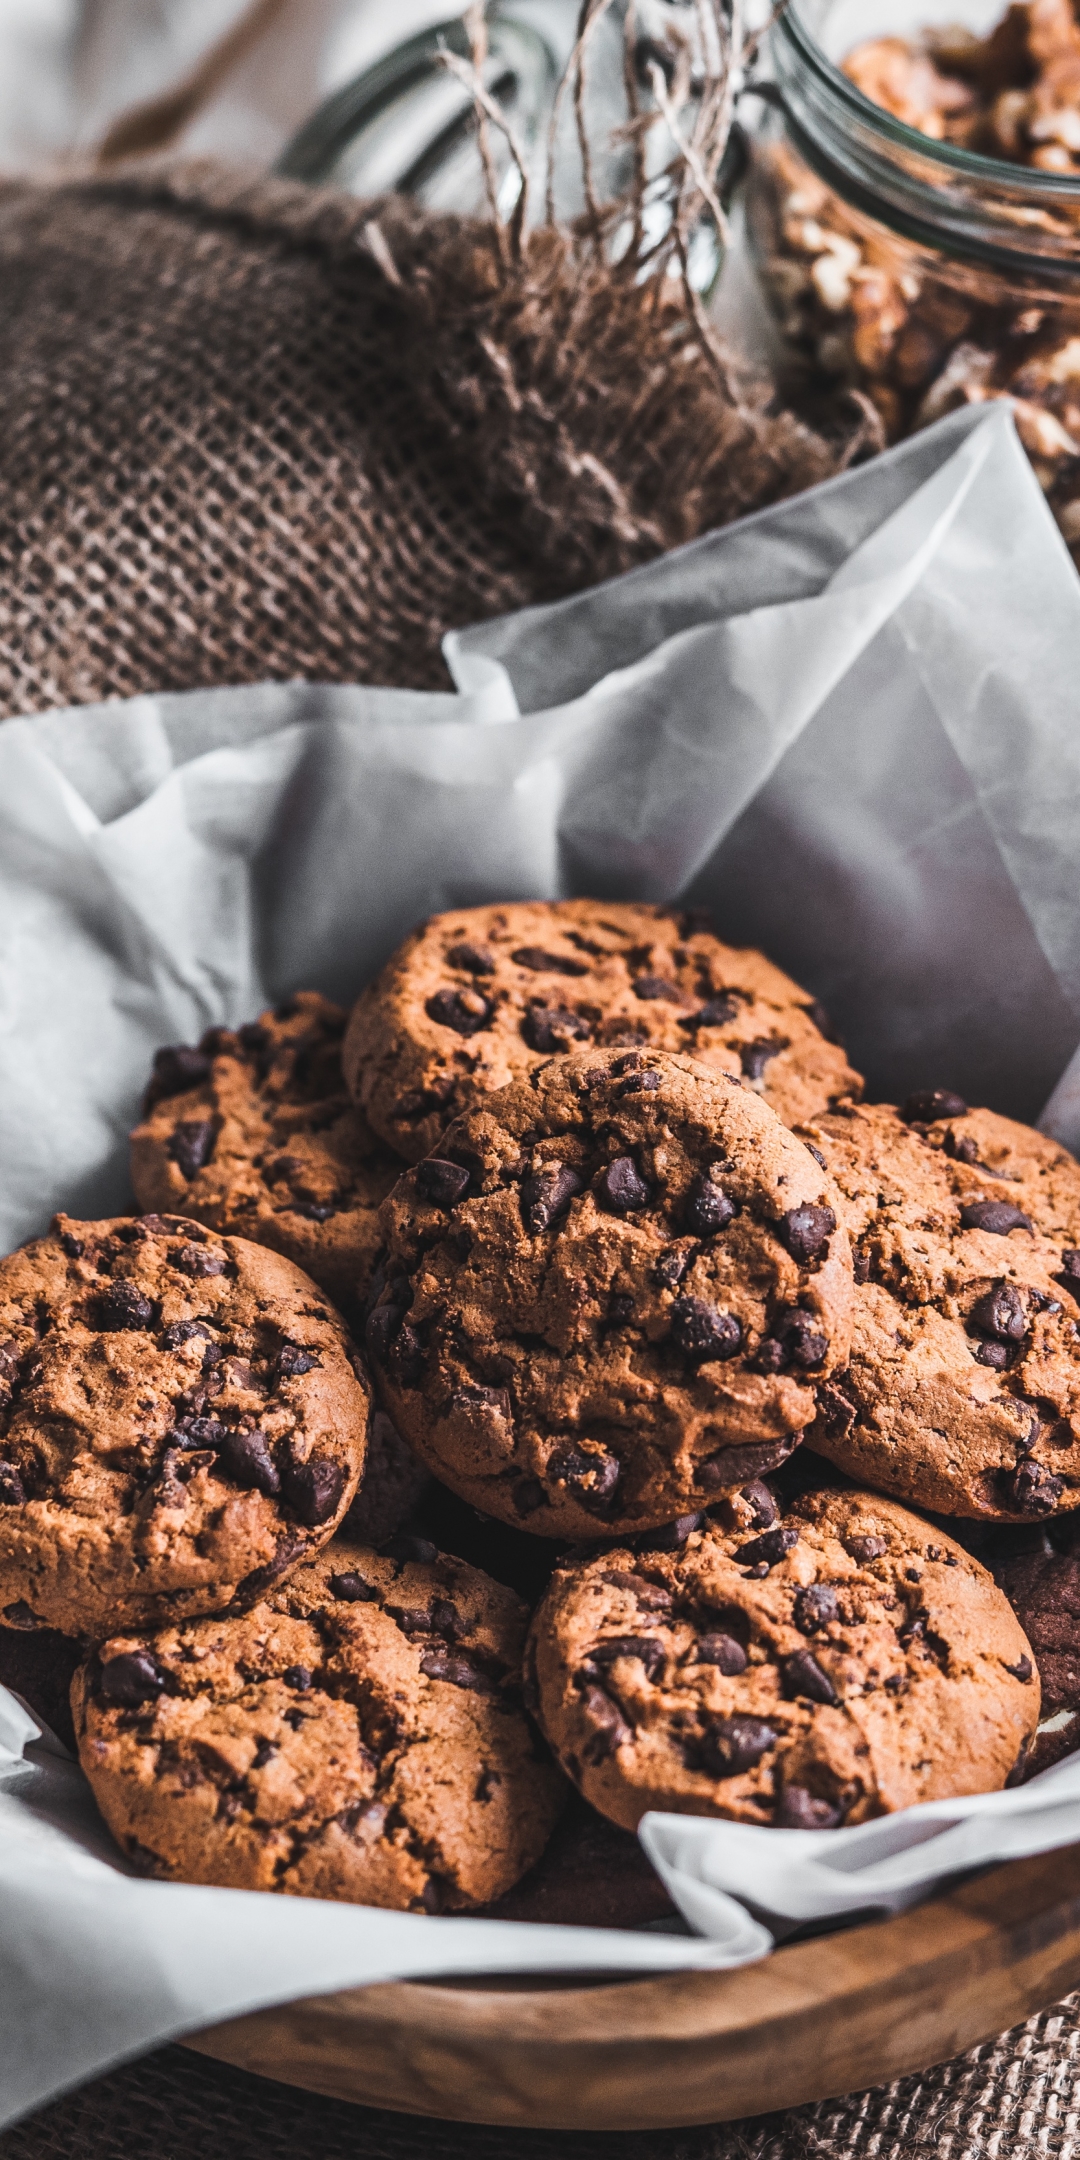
{"x": 849, "y": 726}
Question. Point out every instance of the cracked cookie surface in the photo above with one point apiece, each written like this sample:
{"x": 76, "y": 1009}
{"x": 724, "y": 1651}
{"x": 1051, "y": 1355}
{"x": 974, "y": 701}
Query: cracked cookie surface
{"x": 611, "y": 1296}
{"x": 963, "y": 1389}
{"x": 478, "y": 997}
{"x": 849, "y": 1661}
{"x": 356, "y": 1735}
{"x": 182, "y": 1418}
{"x": 253, "y": 1133}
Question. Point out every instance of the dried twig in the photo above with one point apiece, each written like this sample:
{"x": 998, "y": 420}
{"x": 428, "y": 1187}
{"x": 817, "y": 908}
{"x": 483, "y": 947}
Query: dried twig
{"x": 488, "y": 110}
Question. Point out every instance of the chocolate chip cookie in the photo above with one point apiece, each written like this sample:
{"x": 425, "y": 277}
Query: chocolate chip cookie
{"x": 182, "y": 1420}
{"x": 357, "y": 1734}
{"x": 963, "y": 1389}
{"x": 477, "y": 998}
{"x": 392, "y": 1487}
{"x": 253, "y": 1134}
{"x": 847, "y": 1662}
{"x": 1043, "y": 1588}
{"x": 611, "y": 1295}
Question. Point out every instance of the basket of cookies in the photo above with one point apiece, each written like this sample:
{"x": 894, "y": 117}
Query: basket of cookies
{"x": 537, "y": 1483}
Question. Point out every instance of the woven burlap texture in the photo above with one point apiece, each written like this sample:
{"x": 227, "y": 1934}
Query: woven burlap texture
{"x": 251, "y": 431}
{"x": 1012, "y": 2099}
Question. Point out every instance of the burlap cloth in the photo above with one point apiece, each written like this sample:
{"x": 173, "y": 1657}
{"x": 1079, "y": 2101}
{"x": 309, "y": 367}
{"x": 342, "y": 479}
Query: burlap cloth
{"x": 1010, "y": 2099}
{"x": 251, "y": 431}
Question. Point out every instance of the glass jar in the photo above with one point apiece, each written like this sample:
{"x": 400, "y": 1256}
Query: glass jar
{"x": 923, "y": 274}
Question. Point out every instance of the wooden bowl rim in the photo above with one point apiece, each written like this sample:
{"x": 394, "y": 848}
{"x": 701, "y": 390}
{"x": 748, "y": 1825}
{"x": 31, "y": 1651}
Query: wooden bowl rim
{"x": 824, "y": 2016}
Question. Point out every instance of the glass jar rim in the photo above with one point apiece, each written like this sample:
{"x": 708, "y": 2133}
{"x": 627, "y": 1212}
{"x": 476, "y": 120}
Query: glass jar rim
{"x": 1051, "y": 187}
{"x": 1015, "y": 218}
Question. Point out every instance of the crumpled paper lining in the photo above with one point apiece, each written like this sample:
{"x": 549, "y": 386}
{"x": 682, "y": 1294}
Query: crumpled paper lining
{"x": 848, "y": 726}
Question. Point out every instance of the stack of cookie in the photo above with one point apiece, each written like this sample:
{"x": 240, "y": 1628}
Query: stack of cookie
{"x": 569, "y": 1272}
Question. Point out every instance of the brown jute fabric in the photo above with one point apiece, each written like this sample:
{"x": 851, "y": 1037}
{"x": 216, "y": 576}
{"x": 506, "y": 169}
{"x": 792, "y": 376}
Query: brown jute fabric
{"x": 251, "y": 430}
{"x": 1017, "y": 2098}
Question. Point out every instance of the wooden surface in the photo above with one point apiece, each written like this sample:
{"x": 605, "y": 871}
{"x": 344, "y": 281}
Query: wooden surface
{"x": 819, "y": 2018}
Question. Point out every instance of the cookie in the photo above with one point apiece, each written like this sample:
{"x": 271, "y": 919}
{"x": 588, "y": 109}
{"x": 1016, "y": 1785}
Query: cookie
{"x": 963, "y": 1390}
{"x": 850, "y": 1661}
{"x": 612, "y": 1295}
{"x": 357, "y": 1734}
{"x": 1043, "y": 1589}
{"x": 180, "y": 1423}
{"x": 591, "y": 1875}
{"x": 391, "y": 1489}
{"x": 253, "y": 1134}
{"x": 479, "y": 997}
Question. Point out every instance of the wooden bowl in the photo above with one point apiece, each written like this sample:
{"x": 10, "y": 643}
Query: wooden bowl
{"x": 818, "y": 2018}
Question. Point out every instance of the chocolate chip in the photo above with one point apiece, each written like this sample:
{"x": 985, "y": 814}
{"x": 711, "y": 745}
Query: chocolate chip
{"x": 22, "y": 1615}
{"x": 545, "y": 963}
{"x": 1030, "y": 1490}
{"x": 592, "y": 1477}
{"x": 862, "y": 1260}
{"x": 1022, "y": 1670}
{"x": 411, "y": 1619}
{"x": 768, "y": 1549}
{"x": 383, "y": 1323}
{"x": 675, "y": 1263}
{"x": 928, "y": 1105}
{"x": 314, "y": 1488}
{"x": 265, "y": 1752}
{"x": 192, "y": 1146}
{"x": 546, "y": 1196}
{"x": 72, "y": 1246}
{"x": 197, "y": 1432}
{"x": 465, "y": 1011}
{"x": 313, "y": 1210}
{"x": 404, "y": 1546}
{"x": 734, "y": 1744}
{"x": 754, "y": 1056}
{"x": 645, "y": 1083}
{"x": 468, "y": 1401}
{"x": 702, "y": 1332}
{"x": 815, "y": 1607}
{"x": 999, "y": 1356}
{"x": 651, "y": 1596}
{"x": 200, "y": 1262}
{"x": 527, "y": 1495}
{"x": 298, "y": 1677}
{"x": 798, "y": 1809}
{"x": 708, "y": 1209}
{"x": 352, "y": 1589}
{"x": 123, "y": 1305}
{"x": 622, "y": 1188}
{"x": 245, "y": 1457}
{"x": 182, "y": 1331}
{"x": 1001, "y": 1313}
{"x": 475, "y": 959}
{"x": 761, "y": 1502}
{"x": 865, "y": 1548}
{"x": 806, "y": 1232}
{"x": 610, "y": 1729}
{"x": 716, "y": 1012}
{"x": 406, "y": 1357}
{"x": 817, "y": 1155}
{"x": 723, "y": 1651}
{"x": 442, "y": 1183}
{"x": 671, "y": 1537}
{"x": 648, "y": 1648}
{"x": 1070, "y": 1263}
{"x": 176, "y": 1068}
{"x": 12, "y": 1489}
{"x": 292, "y": 1361}
{"x": 996, "y": 1216}
{"x": 457, "y": 1670}
{"x": 620, "y": 1310}
{"x": 730, "y": 1466}
{"x": 802, "y": 1675}
{"x": 796, "y": 1339}
{"x": 550, "y": 1028}
{"x": 656, "y": 988}
{"x": 964, "y": 1149}
{"x": 131, "y": 1679}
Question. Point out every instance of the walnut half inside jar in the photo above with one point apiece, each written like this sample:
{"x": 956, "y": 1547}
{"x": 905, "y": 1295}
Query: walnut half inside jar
{"x": 916, "y": 219}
